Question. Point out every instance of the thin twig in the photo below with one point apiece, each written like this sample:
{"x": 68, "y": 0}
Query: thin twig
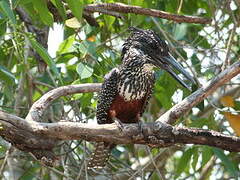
{"x": 4, "y": 162}
{"x": 180, "y": 6}
{"x": 229, "y": 46}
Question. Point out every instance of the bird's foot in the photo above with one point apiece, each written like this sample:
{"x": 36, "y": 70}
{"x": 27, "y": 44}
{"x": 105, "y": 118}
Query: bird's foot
{"x": 155, "y": 142}
{"x": 140, "y": 126}
{"x": 118, "y": 123}
{"x": 141, "y": 134}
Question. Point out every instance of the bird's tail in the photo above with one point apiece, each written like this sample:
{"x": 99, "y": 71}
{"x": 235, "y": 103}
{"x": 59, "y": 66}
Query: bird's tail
{"x": 100, "y": 155}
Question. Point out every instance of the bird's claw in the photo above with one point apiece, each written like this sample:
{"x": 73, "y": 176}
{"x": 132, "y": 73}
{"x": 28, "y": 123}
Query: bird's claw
{"x": 141, "y": 134}
{"x": 118, "y": 123}
{"x": 140, "y": 126}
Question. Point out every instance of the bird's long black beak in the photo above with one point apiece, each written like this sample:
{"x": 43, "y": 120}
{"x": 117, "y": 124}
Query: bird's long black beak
{"x": 169, "y": 63}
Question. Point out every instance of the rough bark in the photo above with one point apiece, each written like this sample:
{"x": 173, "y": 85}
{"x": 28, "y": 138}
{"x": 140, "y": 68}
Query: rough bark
{"x": 157, "y": 134}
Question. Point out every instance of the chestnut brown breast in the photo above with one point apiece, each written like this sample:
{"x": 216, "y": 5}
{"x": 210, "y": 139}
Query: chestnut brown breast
{"x": 125, "y": 111}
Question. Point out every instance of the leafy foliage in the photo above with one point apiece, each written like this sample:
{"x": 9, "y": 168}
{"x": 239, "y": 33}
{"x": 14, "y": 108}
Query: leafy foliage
{"x": 86, "y": 53}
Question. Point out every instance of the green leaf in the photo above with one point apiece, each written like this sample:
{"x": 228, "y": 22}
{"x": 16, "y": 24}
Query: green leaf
{"x": 29, "y": 8}
{"x": 233, "y": 171}
{"x": 84, "y": 71}
{"x": 73, "y": 23}
{"x": 196, "y": 63}
{"x": 109, "y": 21}
{"x": 206, "y": 154}
{"x": 184, "y": 161}
{"x": 8, "y": 93}
{"x": 87, "y": 47}
{"x": 14, "y": 3}
{"x": 237, "y": 105}
{"x": 195, "y": 157}
{"x": 61, "y": 9}
{"x": 44, "y": 13}
{"x": 46, "y": 57}
{"x": 22, "y": 2}
{"x": 165, "y": 100}
{"x": 200, "y": 122}
{"x": 66, "y": 44}
{"x": 200, "y": 106}
{"x": 76, "y": 6}
{"x": 65, "y": 57}
{"x": 204, "y": 43}
{"x": 187, "y": 7}
{"x": 137, "y": 2}
{"x": 3, "y": 26}
{"x": 171, "y": 7}
{"x": 6, "y": 76}
{"x": 7, "y": 11}
{"x": 85, "y": 101}
{"x": 30, "y": 173}
{"x": 180, "y": 31}
{"x": 165, "y": 88}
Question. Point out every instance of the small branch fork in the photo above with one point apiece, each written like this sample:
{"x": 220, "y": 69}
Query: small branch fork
{"x": 40, "y": 138}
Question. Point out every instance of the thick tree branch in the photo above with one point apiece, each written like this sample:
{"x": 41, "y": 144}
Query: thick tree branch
{"x": 12, "y": 129}
{"x": 184, "y": 106}
{"x": 123, "y": 8}
{"x": 157, "y": 134}
{"x": 42, "y": 137}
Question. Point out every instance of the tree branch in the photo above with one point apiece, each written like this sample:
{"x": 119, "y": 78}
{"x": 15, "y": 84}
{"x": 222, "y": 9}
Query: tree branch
{"x": 42, "y": 137}
{"x": 123, "y": 8}
{"x": 156, "y": 134}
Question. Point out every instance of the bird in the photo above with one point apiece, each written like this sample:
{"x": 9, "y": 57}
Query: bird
{"x": 127, "y": 89}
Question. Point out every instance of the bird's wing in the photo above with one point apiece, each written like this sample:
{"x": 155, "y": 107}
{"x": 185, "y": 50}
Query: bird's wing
{"x": 107, "y": 95}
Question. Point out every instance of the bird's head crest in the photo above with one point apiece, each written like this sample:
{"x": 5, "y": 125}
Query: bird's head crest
{"x": 146, "y": 40}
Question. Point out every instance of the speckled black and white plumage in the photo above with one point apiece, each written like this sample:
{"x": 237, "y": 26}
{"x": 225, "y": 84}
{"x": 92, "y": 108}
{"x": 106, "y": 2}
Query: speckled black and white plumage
{"x": 106, "y": 96}
{"x": 132, "y": 80}
{"x": 126, "y": 90}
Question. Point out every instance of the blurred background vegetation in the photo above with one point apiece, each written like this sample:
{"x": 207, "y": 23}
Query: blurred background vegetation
{"x": 45, "y": 44}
